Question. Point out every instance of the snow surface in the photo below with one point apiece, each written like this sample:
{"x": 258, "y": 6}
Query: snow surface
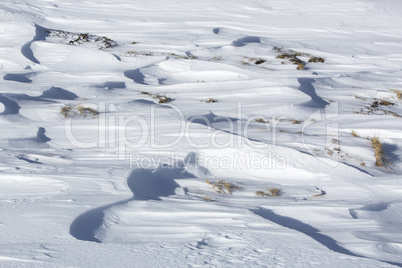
{"x": 128, "y": 186}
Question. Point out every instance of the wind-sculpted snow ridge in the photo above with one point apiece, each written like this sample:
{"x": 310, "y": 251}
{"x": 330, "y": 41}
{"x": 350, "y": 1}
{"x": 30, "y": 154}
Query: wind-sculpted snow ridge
{"x": 204, "y": 134}
{"x": 144, "y": 184}
{"x": 308, "y": 230}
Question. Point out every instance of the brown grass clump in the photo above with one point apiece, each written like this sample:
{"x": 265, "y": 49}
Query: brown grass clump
{"x": 261, "y": 120}
{"x": 164, "y": 99}
{"x": 208, "y": 199}
{"x": 161, "y": 98}
{"x": 379, "y": 152}
{"x": 84, "y": 111}
{"x": 274, "y": 192}
{"x": 398, "y": 93}
{"x": 261, "y": 194}
{"x": 376, "y": 104}
{"x": 223, "y": 187}
{"x": 378, "y": 107}
{"x": 71, "y": 111}
{"x": 259, "y": 61}
{"x": 66, "y": 110}
{"x": 354, "y": 134}
{"x": 82, "y": 38}
{"x": 293, "y": 57}
{"x": 316, "y": 59}
{"x": 210, "y": 100}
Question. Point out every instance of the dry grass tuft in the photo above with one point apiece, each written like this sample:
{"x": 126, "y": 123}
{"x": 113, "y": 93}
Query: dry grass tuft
{"x": 224, "y": 187}
{"x": 354, "y": 134}
{"x": 261, "y": 194}
{"x": 378, "y": 107}
{"x": 293, "y": 57}
{"x": 208, "y": 199}
{"x": 275, "y": 192}
{"x": 261, "y": 120}
{"x": 379, "y": 153}
{"x": 301, "y": 66}
{"x": 161, "y": 98}
{"x": 164, "y": 99}
{"x": 316, "y": 59}
{"x": 398, "y": 93}
{"x": 82, "y": 38}
{"x": 210, "y": 100}
{"x": 71, "y": 111}
{"x": 376, "y": 104}
{"x": 66, "y": 111}
{"x": 259, "y": 61}
{"x": 85, "y": 111}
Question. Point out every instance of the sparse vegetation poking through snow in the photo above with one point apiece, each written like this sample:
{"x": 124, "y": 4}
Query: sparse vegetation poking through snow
{"x": 379, "y": 153}
{"x": 210, "y": 100}
{"x": 297, "y": 122}
{"x": 259, "y": 61}
{"x": 208, "y": 199}
{"x": 321, "y": 194}
{"x": 300, "y": 66}
{"x": 135, "y": 53}
{"x": 256, "y": 61}
{"x": 82, "y": 38}
{"x": 316, "y": 59}
{"x": 85, "y": 111}
{"x": 66, "y": 111}
{"x": 162, "y": 98}
{"x": 261, "y": 120}
{"x": 224, "y": 187}
{"x": 273, "y": 192}
{"x": 71, "y": 111}
{"x": 376, "y": 104}
{"x": 261, "y": 194}
{"x": 379, "y": 107}
{"x": 354, "y": 134}
{"x": 398, "y": 93}
{"x": 187, "y": 57}
{"x": 293, "y": 57}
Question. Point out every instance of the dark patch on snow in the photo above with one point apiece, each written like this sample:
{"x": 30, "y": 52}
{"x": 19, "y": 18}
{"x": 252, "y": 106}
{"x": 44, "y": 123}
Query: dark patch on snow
{"x": 21, "y": 78}
{"x": 58, "y": 93}
{"x": 246, "y": 40}
{"x": 136, "y": 76}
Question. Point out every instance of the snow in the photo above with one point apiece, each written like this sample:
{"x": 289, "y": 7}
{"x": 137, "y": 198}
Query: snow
{"x": 119, "y": 121}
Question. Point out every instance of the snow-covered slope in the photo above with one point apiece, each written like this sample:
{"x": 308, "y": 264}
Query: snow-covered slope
{"x": 200, "y": 133}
